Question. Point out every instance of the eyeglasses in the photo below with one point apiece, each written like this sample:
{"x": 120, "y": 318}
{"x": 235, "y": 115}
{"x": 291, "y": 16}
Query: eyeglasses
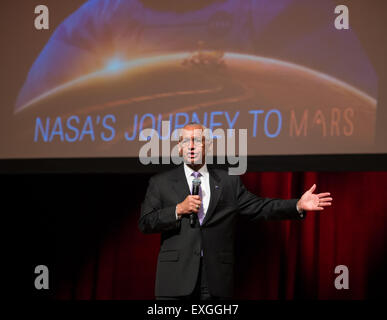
{"x": 197, "y": 141}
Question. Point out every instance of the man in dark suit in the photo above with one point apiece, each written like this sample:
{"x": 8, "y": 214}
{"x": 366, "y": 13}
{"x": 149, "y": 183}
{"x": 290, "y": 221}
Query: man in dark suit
{"x": 196, "y": 259}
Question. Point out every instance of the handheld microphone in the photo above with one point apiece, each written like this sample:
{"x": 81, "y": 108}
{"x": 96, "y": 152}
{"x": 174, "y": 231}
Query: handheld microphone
{"x": 195, "y": 192}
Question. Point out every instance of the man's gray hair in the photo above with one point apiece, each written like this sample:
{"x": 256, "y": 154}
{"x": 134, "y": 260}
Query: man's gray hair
{"x": 191, "y": 124}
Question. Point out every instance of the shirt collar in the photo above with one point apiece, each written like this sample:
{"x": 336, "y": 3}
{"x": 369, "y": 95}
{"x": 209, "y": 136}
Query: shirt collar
{"x": 188, "y": 171}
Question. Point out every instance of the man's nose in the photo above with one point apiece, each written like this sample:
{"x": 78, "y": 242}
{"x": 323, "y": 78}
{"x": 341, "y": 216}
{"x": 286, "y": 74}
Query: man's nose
{"x": 192, "y": 144}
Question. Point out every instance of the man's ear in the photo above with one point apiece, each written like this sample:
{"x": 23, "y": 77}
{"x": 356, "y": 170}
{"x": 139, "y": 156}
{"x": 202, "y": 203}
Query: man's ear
{"x": 209, "y": 146}
{"x": 207, "y": 134}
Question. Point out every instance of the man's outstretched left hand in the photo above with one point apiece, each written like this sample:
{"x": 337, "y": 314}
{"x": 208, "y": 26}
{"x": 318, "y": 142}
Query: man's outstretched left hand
{"x": 314, "y": 202}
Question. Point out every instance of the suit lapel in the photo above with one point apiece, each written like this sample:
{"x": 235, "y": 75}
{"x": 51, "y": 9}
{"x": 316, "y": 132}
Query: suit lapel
{"x": 216, "y": 190}
{"x": 180, "y": 184}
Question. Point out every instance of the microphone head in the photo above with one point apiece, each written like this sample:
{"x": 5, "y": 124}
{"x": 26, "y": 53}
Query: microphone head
{"x": 196, "y": 182}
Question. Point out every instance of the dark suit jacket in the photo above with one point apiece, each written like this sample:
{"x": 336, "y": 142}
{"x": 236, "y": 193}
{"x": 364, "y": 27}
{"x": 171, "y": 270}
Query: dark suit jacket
{"x": 179, "y": 257}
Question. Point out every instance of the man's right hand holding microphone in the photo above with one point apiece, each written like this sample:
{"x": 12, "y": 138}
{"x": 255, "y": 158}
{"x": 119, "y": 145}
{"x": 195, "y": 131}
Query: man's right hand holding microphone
{"x": 190, "y": 205}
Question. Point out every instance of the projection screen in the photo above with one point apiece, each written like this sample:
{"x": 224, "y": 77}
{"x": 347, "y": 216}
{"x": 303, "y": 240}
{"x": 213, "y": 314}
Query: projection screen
{"x": 82, "y": 79}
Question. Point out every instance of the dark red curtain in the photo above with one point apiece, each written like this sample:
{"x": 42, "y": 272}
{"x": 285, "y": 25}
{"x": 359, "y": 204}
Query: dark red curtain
{"x": 111, "y": 259}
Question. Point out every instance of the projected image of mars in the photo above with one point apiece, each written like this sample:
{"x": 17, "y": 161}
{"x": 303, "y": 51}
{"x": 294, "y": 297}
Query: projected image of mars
{"x": 286, "y": 107}
{"x": 114, "y": 68}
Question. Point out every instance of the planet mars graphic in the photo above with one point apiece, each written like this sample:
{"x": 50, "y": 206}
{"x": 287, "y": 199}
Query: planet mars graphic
{"x": 319, "y": 113}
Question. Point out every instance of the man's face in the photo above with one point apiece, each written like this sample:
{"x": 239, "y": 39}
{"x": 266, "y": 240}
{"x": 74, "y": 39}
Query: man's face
{"x": 192, "y": 145}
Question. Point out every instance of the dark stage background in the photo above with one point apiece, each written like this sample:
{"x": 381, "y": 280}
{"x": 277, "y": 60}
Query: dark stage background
{"x": 84, "y": 228}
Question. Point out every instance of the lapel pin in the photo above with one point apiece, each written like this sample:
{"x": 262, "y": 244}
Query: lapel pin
{"x": 216, "y": 187}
